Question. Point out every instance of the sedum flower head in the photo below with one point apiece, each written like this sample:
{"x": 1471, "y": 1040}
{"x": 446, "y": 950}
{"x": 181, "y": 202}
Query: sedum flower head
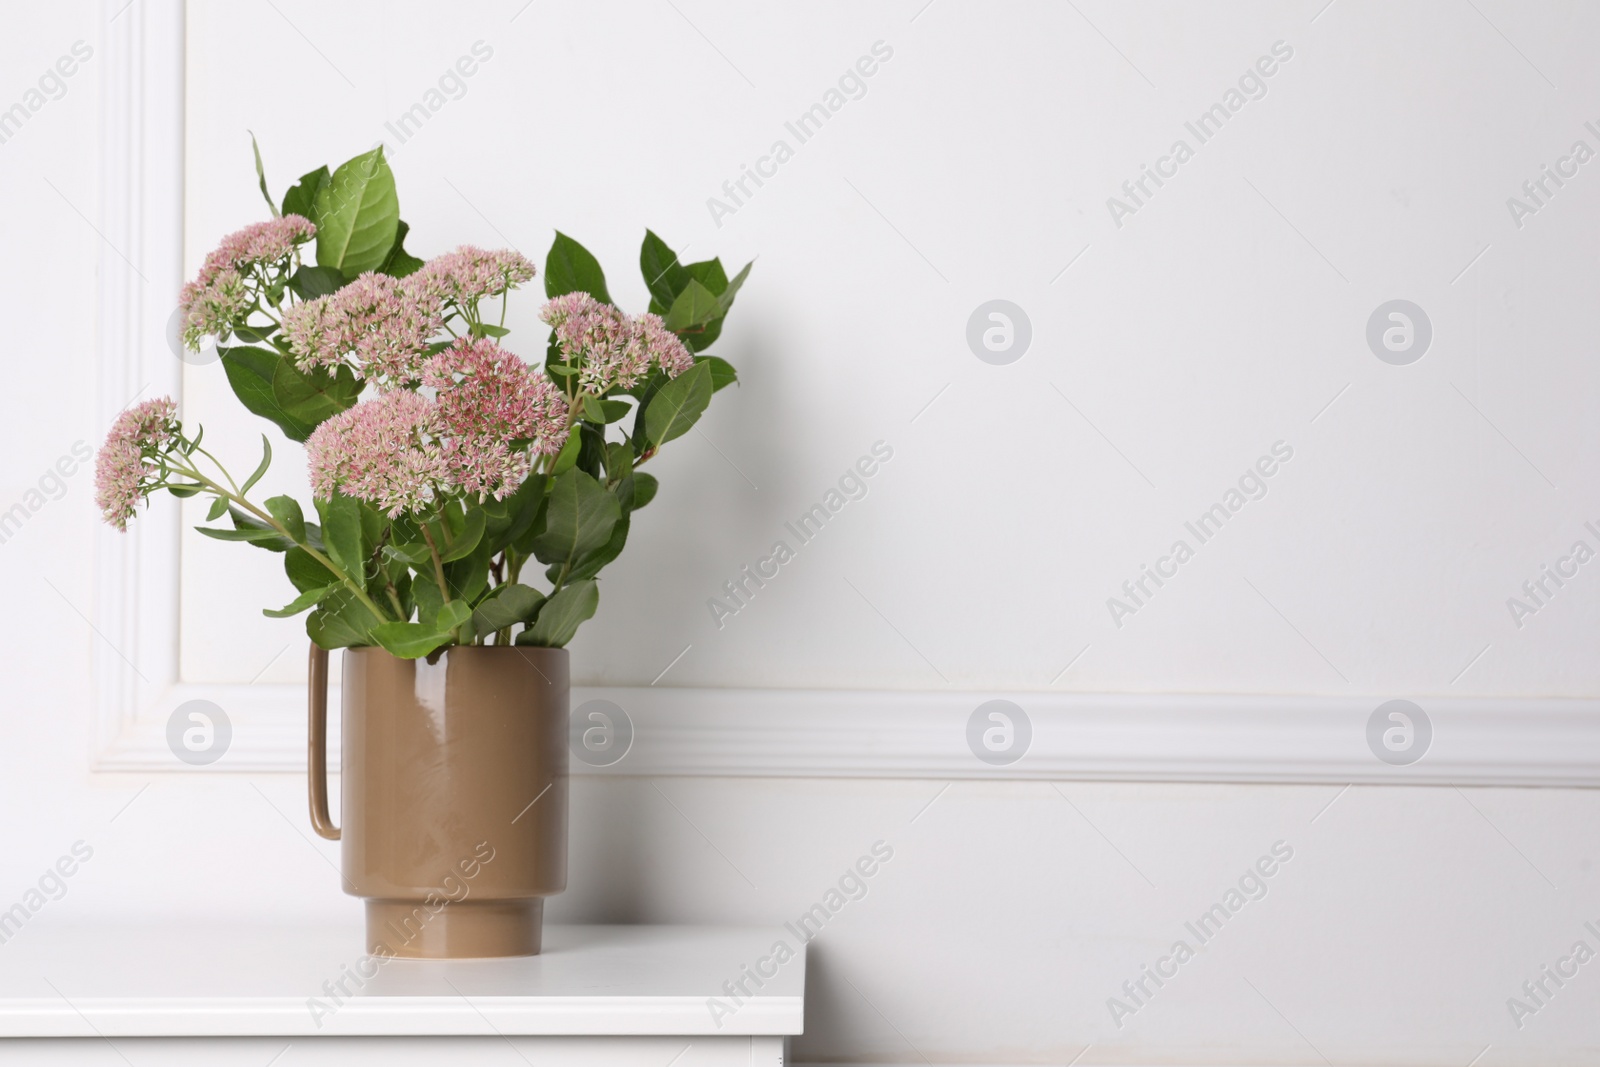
{"x": 402, "y": 451}
{"x": 378, "y": 324}
{"x": 495, "y": 413}
{"x": 469, "y": 274}
{"x": 610, "y": 347}
{"x": 383, "y": 451}
{"x": 217, "y": 297}
{"x": 125, "y": 468}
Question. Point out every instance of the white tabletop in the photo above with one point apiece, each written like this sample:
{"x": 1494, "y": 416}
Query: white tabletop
{"x": 185, "y": 980}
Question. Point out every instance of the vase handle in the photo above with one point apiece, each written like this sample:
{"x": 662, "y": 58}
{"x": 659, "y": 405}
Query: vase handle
{"x": 317, "y": 749}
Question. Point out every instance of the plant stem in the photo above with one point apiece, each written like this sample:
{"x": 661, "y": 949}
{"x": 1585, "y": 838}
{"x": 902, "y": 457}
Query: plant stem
{"x": 270, "y": 520}
{"x": 438, "y": 566}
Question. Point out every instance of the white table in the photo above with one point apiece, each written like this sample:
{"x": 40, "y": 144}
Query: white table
{"x": 179, "y": 994}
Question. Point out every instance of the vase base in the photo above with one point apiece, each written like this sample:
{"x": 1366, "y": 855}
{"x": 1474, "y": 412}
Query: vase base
{"x": 467, "y": 929}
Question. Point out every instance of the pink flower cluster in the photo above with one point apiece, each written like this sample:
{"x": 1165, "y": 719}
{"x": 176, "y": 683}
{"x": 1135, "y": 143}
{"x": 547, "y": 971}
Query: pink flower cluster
{"x": 496, "y": 413}
{"x": 218, "y": 297}
{"x": 140, "y": 434}
{"x": 469, "y": 274}
{"x": 401, "y": 451}
{"x": 379, "y": 323}
{"x": 382, "y": 451}
{"x": 380, "y": 326}
{"x": 609, "y": 347}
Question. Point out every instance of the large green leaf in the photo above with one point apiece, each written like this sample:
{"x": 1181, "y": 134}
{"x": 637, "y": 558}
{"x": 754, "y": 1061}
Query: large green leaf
{"x": 410, "y": 640}
{"x": 301, "y": 199}
{"x": 305, "y": 571}
{"x": 250, "y": 372}
{"x": 578, "y": 518}
{"x": 340, "y": 621}
{"x": 342, "y": 534}
{"x": 595, "y": 561}
{"x": 358, "y": 215}
{"x": 644, "y": 489}
{"x": 399, "y": 263}
{"x": 286, "y": 509}
{"x": 677, "y": 406}
{"x": 521, "y": 508}
{"x": 695, "y": 306}
{"x": 468, "y": 577}
{"x": 722, "y": 372}
{"x": 268, "y": 384}
{"x": 314, "y": 396}
{"x": 311, "y": 281}
{"x": 461, "y": 542}
{"x": 570, "y": 268}
{"x": 508, "y": 605}
{"x": 709, "y": 273}
{"x": 664, "y": 275}
{"x": 562, "y": 614}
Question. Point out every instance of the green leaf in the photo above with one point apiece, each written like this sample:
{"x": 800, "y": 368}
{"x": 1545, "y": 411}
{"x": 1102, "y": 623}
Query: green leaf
{"x": 725, "y": 298}
{"x": 250, "y": 372}
{"x": 312, "y": 281}
{"x": 255, "y": 333}
{"x": 591, "y": 565}
{"x": 562, "y": 614}
{"x": 429, "y": 600}
{"x": 411, "y": 640}
{"x": 678, "y": 405}
{"x": 722, "y": 372}
{"x": 185, "y": 490}
{"x": 570, "y": 268}
{"x": 483, "y": 329}
{"x": 341, "y": 620}
{"x": 569, "y": 453}
{"x": 695, "y": 306}
{"x": 663, "y": 274}
{"x": 309, "y": 598}
{"x": 312, "y": 397}
{"x": 709, "y": 273}
{"x": 342, "y": 534}
{"x": 261, "y": 175}
{"x": 414, "y": 553}
{"x": 306, "y": 571}
{"x": 358, "y": 215}
{"x": 219, "y": 507}
{"x": 508, "y": 605}
{"x": 619, "y": 466}
{"x": 399, "y": 263}
{"x": 468, "y": 577}
{"x": 603, "y": 411}
{"x": 266, "y": 537}
{"x": 460, "y": 544}
{"x": 268, "y": 384}
{"x": 301, "y": 199}
{"x": 578, "y": 518}
{"x": 644, "y": 489}
{"x": 522, "y": 507}
{"x": 287, "y": 511}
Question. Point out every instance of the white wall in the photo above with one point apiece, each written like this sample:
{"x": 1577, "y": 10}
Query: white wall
{"x": 1214, "y": 322}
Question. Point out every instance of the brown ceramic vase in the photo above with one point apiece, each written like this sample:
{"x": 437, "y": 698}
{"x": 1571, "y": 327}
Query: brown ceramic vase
{"x": 454, "y": 795}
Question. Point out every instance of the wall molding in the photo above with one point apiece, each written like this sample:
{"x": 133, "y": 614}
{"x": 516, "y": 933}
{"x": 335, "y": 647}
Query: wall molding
{"x": 865, "y": 734}
{"x": 807, "y": 733}
{"x": 135, "y": 599}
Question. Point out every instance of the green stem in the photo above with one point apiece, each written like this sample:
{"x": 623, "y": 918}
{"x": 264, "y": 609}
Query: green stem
{"x": 270, "y": 520}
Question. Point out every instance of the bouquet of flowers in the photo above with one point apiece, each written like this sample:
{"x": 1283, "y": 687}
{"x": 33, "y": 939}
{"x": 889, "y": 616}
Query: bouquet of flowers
{"x": 462, "y": 464}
